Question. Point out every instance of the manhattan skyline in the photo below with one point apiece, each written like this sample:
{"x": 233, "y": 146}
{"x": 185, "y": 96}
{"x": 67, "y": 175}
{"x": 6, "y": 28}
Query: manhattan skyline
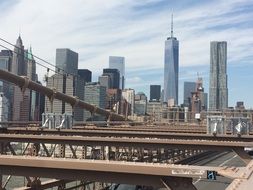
{"x": 137, "y": 32}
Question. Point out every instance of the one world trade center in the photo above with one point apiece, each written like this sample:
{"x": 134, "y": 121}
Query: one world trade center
{"x": 171, "y": 69}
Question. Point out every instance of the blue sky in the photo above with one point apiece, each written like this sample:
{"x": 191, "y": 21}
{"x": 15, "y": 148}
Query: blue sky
{"x": 137, "y": 29}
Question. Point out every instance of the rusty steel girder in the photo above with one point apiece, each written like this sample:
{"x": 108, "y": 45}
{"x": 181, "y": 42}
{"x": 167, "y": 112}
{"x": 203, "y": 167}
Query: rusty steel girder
{"x": 148, "y": 143}
{"x": 176, "y": 177}
{"x": 201, "y": 143}
{"x": 24, "y": 82}
{"x": 130, "y": 134}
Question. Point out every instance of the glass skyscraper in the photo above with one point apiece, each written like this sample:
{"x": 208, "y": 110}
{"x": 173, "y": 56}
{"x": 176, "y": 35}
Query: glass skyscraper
{"x": 5, "y": 87}
{"x": 67, "y": 61}
{"x": 116, "y": 62}
{"x": 218, "y": 91}
{"x": 65, "y": 81}
{"x": 84, "y": 76}
{"x": 114, "y": 77}
{"x": 189, "y": 87}
{"x": 94, "y": 94}
{"x": 155, "y": 92}
{"x": 171, "y": 69}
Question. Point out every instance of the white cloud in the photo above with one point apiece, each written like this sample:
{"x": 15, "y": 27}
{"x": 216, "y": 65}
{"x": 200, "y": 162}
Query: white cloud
{"x": 134, "y": 80}
{"x": 96, "y": 29}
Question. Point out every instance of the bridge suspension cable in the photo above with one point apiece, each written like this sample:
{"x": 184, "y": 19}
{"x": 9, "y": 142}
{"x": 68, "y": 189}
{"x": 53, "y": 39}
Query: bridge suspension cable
{"x": 24, "y": 82}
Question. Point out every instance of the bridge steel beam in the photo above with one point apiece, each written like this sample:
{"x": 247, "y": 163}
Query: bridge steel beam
{"x": 129, "y": 134}
{"x": 24, "y": 82}
{"x": 103, "y": 171}
{"x": 46, "y": 184}
{"x": 176, "y": 177}
{"x": 146, "y": 128}
{"x": 217, "y": 145}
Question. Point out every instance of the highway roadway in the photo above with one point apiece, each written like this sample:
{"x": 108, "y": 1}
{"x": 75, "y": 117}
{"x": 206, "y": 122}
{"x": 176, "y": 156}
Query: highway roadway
{"x": 230, "y": 159}
{"x": 223, "y": 159}
{"x": 221, "y": 183}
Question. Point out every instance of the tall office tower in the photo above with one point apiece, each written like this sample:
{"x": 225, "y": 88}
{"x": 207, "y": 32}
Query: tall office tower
{"x": 65, "y": 81}
{"x": 34, "y": 96}
{"x": 21, "y": 104}
{"x": 205, "y": 101}
{"x": 31, "y": 65}
{"x": 116, "y": 62}
{"x": 62, "y": 83}
{"x": 162, "y": 95}
{"x": 105, "y": 81}
{"x": 218, "y": 91}
{"x": 140, "y": 96}
{"x": 189, "y": 87}
{"x": 114, "y": 77}
{"x": 128, "y": 101}
{"x": 4, "y": 106}
{"x": 5, "y": 87}
{"x": 41, "y": 102}
{"x": 21, "y": 100}
{"x": 19, "y": 65}
{"x": 198, "y": 97}
{"x": 67, "y": 61}
{"x": 155, "y": 92}
{"x": 154, "y": 109}
{"x": 203, "y": 96}
{"x": 239, "y": 105}
{"x": 171, "y": 69}
{"x": 94, "y": 94}
{"x": 5, "y": 59}
{"x": 84, "y": 76}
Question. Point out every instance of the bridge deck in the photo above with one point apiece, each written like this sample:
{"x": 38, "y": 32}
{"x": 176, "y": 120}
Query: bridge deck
{"x": 107, "y": 171}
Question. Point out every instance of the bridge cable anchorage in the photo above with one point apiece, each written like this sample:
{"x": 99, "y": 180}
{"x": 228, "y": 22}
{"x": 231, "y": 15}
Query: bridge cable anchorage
{"x": 24, "y": 87}
{"x": 94, "y": 110}
{"x": 77, "y": 100}
{"x": 52, "y": 96}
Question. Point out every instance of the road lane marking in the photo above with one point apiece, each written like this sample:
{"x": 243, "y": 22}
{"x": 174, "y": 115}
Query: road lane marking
{"x": 222, "y": 164}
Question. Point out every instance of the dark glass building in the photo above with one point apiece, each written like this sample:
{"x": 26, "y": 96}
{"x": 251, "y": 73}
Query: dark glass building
{"x": 155, "y": 92}
{"x": 189, "y": 87}
{"x": 85, "y": 74}
{"x": 66, "y": 61}
{"x": 5, "y": 59}
{"x": 116, "y": 62}
{"x": 114, "y": 77}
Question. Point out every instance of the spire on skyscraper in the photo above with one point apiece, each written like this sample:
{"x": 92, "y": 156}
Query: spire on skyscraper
{"x": 30, "y": 54}
{"x": 19, "y": 42}
{"x": 171, "y": 32}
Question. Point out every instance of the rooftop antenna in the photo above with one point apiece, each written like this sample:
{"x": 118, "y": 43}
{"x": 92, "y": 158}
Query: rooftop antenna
{"x": 19, "y": 32}
{"x": 171, "y": 32}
